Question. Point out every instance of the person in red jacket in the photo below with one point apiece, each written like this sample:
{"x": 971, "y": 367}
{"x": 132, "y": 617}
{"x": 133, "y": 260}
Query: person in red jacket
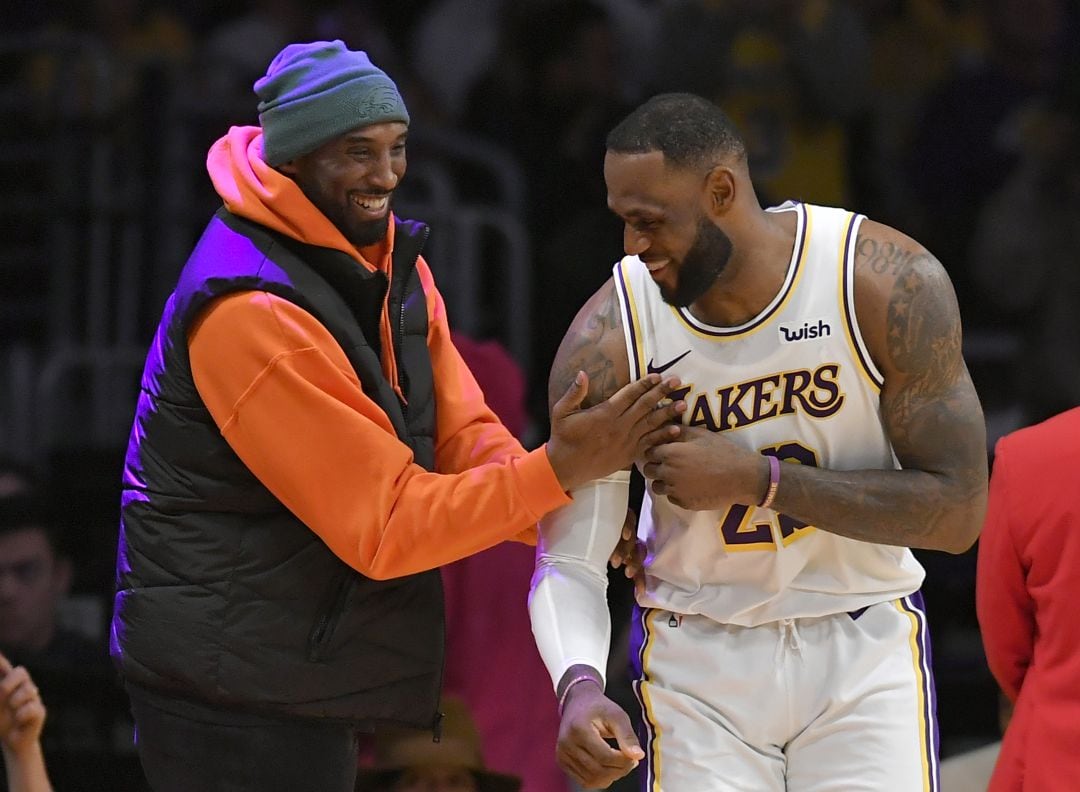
{"x": 1027, "y": 583}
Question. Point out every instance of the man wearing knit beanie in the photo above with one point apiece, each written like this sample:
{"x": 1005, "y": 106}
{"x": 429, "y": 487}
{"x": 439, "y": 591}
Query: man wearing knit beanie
{"x": 290, "y": 491}
{"x": 312, "y": 95}
{"x": 314, "y": 92}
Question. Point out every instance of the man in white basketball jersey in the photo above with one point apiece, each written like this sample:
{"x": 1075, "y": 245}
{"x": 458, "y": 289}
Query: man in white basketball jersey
{"x": 779, "y": 639}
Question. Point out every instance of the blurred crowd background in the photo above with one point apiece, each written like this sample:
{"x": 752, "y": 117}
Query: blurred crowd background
{"x": 955, "y": 121}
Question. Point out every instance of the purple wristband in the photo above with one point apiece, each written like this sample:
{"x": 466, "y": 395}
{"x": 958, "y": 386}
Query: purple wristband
{"x": 774, "y": 482}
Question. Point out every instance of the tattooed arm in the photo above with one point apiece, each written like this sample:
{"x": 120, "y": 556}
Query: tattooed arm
{"x": 910, "y": 321}
{"x": 593, "y": 344}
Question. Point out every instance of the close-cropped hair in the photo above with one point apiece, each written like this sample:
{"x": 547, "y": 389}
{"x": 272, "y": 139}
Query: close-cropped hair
{"x": 689, "y": 130}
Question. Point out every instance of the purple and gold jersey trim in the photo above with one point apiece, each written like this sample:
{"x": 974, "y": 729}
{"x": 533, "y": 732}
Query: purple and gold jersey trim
{"x": 795, "y": 270}
{"x": 630, "y": 319}
{"x": 912, "y": 607}
{"x": 847, "y": 299}
{"x": 641, "y": 641}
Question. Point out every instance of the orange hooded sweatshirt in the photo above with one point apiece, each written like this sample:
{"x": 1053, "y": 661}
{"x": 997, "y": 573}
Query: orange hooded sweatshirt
{"x": 290, "y": 405}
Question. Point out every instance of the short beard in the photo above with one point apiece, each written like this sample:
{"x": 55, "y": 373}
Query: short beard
{"x": 702, "y": 265}
{"x": 364, "y": 234}
{"x": 358, "y": 234}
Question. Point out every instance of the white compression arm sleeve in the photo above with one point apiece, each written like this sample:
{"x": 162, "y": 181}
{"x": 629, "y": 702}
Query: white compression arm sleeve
{"x": 568, "y": 599}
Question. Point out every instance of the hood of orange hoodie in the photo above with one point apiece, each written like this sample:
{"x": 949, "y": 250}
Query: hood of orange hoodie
{"x": 258, "y": 192}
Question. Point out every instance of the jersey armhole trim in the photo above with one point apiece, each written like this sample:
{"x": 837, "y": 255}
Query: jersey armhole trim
{"x": 635, "y": 352}
{"x": 847, "y": 299}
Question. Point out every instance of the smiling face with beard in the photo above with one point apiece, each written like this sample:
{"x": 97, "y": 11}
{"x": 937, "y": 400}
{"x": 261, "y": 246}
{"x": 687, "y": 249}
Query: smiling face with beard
{"x": 338, "y": 208}
{"x": 351, "y": 178}
{"x": 701, "y": 266}
{"x": 666, "y": 224}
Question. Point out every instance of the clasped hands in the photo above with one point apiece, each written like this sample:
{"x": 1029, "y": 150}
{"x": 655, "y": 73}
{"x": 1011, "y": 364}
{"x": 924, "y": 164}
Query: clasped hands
{"x": 695, "y": 469}
{"x": 698, "y": 469}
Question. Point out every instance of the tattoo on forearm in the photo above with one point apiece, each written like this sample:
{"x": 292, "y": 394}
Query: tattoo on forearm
{"x": 885, "y": 507}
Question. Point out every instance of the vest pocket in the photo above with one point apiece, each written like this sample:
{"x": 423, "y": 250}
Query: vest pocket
{"x": 330, "y": 610}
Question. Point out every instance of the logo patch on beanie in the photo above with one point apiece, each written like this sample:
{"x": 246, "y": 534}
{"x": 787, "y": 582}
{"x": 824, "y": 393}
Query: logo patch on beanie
{"x": 381, "y": 103}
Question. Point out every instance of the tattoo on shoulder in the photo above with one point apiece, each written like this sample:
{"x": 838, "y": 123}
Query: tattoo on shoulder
{"x": 929, "y": 404}
{"x": 588, "y": 346}
{"x": 932, "y": 400}
{"x": 882, "y": 256}
{"x": 923, "y": 323}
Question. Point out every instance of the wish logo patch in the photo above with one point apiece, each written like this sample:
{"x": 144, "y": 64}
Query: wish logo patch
{"x": 793, "y": 332}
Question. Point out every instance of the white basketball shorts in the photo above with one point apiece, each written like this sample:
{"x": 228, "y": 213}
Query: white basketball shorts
{"x": 841, "y": 703}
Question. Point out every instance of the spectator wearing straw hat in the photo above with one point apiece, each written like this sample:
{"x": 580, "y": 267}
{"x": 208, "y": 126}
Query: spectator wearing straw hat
{"x": 411, "y": 761}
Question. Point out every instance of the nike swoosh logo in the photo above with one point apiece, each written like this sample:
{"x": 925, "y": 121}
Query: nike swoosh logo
{"x": 651, "y": 369}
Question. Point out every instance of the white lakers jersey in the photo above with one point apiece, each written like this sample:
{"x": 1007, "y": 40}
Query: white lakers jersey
{"x": 796, "y": 382}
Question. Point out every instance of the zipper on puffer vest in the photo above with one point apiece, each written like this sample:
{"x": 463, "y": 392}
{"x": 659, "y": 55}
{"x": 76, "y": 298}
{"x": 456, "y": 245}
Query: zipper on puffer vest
{"x": 403, "y": 375}
{"x": 329, "y": 616}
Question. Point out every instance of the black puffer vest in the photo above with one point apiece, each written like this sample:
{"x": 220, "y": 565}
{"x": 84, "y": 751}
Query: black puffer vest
{"x": 223, "y": 596}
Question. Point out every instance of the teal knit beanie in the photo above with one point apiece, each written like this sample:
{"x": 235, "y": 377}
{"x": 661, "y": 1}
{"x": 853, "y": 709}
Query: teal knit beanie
{"x": 314, "y": 92}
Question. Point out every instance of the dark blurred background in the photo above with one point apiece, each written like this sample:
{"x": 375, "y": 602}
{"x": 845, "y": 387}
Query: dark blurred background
{"x": 956, "y": 121}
